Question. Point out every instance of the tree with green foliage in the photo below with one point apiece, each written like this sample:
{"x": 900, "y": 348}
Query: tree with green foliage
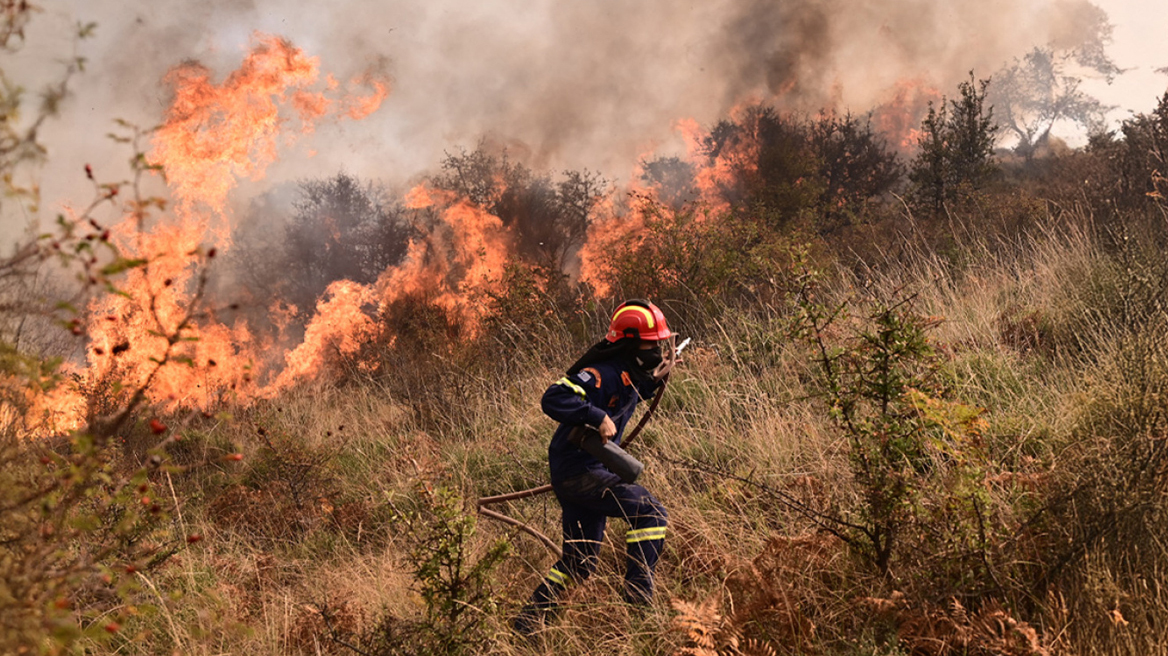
{"x": 956, "y": 148}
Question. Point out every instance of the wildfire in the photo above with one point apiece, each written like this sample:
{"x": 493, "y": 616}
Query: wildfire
{"x": 339, "y": 327}
{"x": 216, "y": 133}
{"x": 213, "y": 135}
{"x": 463, "y": 254}
{"x": 899, "y": 118}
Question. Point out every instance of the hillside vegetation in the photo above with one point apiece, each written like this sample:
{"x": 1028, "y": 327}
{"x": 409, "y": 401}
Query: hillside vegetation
{"x": 924, "y": 411}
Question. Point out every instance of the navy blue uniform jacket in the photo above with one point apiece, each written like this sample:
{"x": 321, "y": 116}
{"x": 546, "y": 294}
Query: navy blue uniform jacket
{"x": 583, "y": 399}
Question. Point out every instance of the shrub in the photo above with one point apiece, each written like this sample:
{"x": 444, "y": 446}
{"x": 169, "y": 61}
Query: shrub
{"x": 453, "y": 579}
{"x": 956, "y": 148}
{"x": 912, "y": 448}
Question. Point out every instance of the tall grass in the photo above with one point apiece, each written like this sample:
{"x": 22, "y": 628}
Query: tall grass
{"x": 1053, "y": 532}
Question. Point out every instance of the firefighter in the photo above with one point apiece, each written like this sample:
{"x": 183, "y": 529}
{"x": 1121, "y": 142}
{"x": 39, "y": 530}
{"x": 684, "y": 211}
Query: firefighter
{"x": 601, "y": 391}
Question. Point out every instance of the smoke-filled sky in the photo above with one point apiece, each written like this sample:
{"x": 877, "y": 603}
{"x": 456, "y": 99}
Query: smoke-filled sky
{"x": 592, "y": 84}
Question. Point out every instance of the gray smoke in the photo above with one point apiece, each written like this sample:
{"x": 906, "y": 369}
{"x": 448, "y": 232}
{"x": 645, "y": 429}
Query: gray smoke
{"x": 562, "y": 84}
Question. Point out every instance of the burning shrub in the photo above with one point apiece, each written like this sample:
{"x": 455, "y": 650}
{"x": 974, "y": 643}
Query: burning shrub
{"x": 704, "y": 261}
{"x": 341, "y": 229}
{"x": 787, "y": 169}
{"x": 420, "y": 353}
{"x": 548, "y": 219}
{"x": 855, "y": 164}
{"x": 537, "y": 313}
{"x": 763, "y": 160}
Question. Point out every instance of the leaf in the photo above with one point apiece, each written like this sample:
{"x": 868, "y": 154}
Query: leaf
{"x": 120, "y": 265}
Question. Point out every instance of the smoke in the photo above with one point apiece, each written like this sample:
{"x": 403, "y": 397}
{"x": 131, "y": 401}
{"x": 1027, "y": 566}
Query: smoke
{"x": 563, "y": 85}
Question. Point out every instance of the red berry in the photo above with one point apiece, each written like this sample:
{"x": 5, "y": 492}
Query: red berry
{"x": 157, "y": 427}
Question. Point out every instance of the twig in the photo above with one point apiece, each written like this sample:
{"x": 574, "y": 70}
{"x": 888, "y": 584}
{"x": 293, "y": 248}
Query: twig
{"x": 523, "y": 527}
{"x": 522, "y": 494}
{"x": 333, "y": 633}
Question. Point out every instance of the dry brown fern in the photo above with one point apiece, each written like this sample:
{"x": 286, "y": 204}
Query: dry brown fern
{"x": 703, "y": 625}
{"x": 753, "y": 647}
{"x": 935, "y": 631}
{"x": 709, "y": 633}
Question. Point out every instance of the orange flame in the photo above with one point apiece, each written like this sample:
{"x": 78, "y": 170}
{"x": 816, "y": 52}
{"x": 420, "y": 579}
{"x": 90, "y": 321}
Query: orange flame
{"x": 898, "y": 119}
{"x": 214, "y": 134}
{"x": 360, "y": 107}
{"x": 339, "y": 327}
{"x": 464, "y": 254}
{"x": 460, "y": 258}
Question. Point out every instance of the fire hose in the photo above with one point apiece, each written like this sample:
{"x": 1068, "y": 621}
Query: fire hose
{"x": 543, "y": 489}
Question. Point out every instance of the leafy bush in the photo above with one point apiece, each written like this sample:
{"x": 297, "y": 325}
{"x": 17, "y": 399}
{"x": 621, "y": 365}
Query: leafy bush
{"x": 912, "y": 448}
{"x": 452, "y": 579}
{"x": 956, "y": 148}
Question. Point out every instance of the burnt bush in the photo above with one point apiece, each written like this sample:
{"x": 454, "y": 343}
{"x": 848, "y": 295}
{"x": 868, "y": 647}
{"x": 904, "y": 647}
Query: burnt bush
{"x": 549, "y": 218}
{"x": 341, "y": 229}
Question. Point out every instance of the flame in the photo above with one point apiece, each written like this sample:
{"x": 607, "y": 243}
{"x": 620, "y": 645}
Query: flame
{"x": 463, "y": 255}
{"x": 610, "y": 232}
{"x": 898, "y": 119}
{"x": 714, "y": 176}
{"x": 129, "y": 332}
{"x": 460, "y": 258}
{"x": 214, "y": 134}
{"x": 360, "y": 107}
{"x": 339, "y": 327}
{"x": 55, "y": 411}
{"x": 717, "y": 176}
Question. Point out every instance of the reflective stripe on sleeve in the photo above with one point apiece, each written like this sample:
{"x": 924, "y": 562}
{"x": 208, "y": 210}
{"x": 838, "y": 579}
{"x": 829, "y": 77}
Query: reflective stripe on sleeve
{"x": 559, "y": 578}
{"x": 572, "y": 386}
{"x": 644, "y": 534}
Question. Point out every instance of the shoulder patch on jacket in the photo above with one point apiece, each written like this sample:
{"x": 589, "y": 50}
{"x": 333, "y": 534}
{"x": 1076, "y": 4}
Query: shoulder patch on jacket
{"x": 625, "y": 379}
{"x": 589, "y": 372}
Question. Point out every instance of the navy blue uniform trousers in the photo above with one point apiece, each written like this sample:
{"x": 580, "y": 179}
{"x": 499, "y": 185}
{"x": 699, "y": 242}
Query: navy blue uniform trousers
{"x": 588, "y": 500}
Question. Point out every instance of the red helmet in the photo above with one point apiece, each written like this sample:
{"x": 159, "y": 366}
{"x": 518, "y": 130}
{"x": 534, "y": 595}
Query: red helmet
{"x": 637, "y": 319}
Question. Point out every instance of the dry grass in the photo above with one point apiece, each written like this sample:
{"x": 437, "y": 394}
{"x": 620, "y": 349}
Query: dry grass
{"x": 742, "y": 447}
